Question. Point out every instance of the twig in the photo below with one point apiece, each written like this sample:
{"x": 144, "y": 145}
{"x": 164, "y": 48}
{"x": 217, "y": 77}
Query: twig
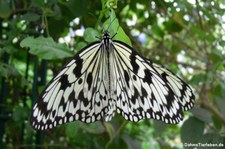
{"x": 116, "y": 133}
{"x": 206, "y": 104}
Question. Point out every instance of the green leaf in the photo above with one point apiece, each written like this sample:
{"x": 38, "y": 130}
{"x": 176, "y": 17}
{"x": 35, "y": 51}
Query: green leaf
{"x": 93, "y": 128}
{"x": 121, "y": 36}
{"x": 46, "y": 48}
{"x": 157, "y": 31}
{"x": 36, "y": 3}
{"x": 8, "y": 49}
{"x": 90, "y": 35}
{"x": 219, "y": 90}
{"x": 73, "y": 8}
{"x": 7, "y": 70}
{"x": 71, "y": 129}
{"x": 192, "y": 130}
{"x": 211, "y": 138}
{"x": 216, "y": 56}
{"x": 131, "y": 142}
{"x": 197, "y": 31}
{"x": 5, "y": 10}
{"x": 172, "y": 26}
{"x": 202, "y": 114}
{"x": 112, "y": 25}
{"x": 80, "y": 46}
{"x": 159, "y": 127}
{"x": 198, "y": 78}
{"x": 221, "y": 104}
{"x": 55, "y": 30}
{"x": 20, "y": 113}
{"x": 31, "y": 16}
{"x": 111, "y": 4}
{"x": 217, "y": 122}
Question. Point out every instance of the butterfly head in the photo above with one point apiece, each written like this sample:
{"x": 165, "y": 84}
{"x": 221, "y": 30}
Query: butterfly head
{"x": 106, "y": 34}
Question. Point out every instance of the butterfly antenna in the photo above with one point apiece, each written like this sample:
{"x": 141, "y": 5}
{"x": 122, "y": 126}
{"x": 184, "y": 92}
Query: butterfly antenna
{"x": 116, "y": 32}
{"x": 111, "y": 23}
{"x": 98, "y": 37}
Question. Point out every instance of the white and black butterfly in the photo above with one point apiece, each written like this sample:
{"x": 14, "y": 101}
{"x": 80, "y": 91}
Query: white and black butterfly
{"x": 108, "y": 76}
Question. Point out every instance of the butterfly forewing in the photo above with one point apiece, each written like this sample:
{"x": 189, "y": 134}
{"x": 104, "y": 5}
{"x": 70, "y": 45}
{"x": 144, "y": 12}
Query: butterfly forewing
{"x": 109, "y": 76}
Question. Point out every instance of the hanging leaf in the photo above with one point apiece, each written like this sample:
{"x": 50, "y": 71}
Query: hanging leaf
{"x": 46, "y": 48}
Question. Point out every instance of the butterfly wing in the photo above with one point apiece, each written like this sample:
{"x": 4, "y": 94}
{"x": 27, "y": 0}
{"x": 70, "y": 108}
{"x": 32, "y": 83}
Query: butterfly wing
{"x": 106, "y": 76}
{"x": 144, "y": 91}
{"x": 77, "y": 92}
{"x": 179, "y": 87}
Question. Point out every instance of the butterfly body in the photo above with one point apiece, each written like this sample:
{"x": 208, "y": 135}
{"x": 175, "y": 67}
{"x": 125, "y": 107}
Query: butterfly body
{"x": 106, "y": 77}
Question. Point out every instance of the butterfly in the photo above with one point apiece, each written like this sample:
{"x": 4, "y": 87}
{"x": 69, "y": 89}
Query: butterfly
{"x": 106, "y": 77}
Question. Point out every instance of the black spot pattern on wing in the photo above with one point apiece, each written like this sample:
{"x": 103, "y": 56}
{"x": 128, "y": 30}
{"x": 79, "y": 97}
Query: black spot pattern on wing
{"x": 127, "y": 78}
{"x": 64, "y": 82}
{"x": 133, "y": 63}
{"x": 89, "y": 80}
{"x": 148, "y": 76}
{"x": 77, "y": 69}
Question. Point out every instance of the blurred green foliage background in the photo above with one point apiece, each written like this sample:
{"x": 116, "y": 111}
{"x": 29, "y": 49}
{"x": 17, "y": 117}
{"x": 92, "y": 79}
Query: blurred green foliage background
{"x": 39, "y": 36}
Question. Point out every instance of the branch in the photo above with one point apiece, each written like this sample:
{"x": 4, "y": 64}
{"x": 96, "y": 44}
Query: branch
{"x": 206, "y": 105}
